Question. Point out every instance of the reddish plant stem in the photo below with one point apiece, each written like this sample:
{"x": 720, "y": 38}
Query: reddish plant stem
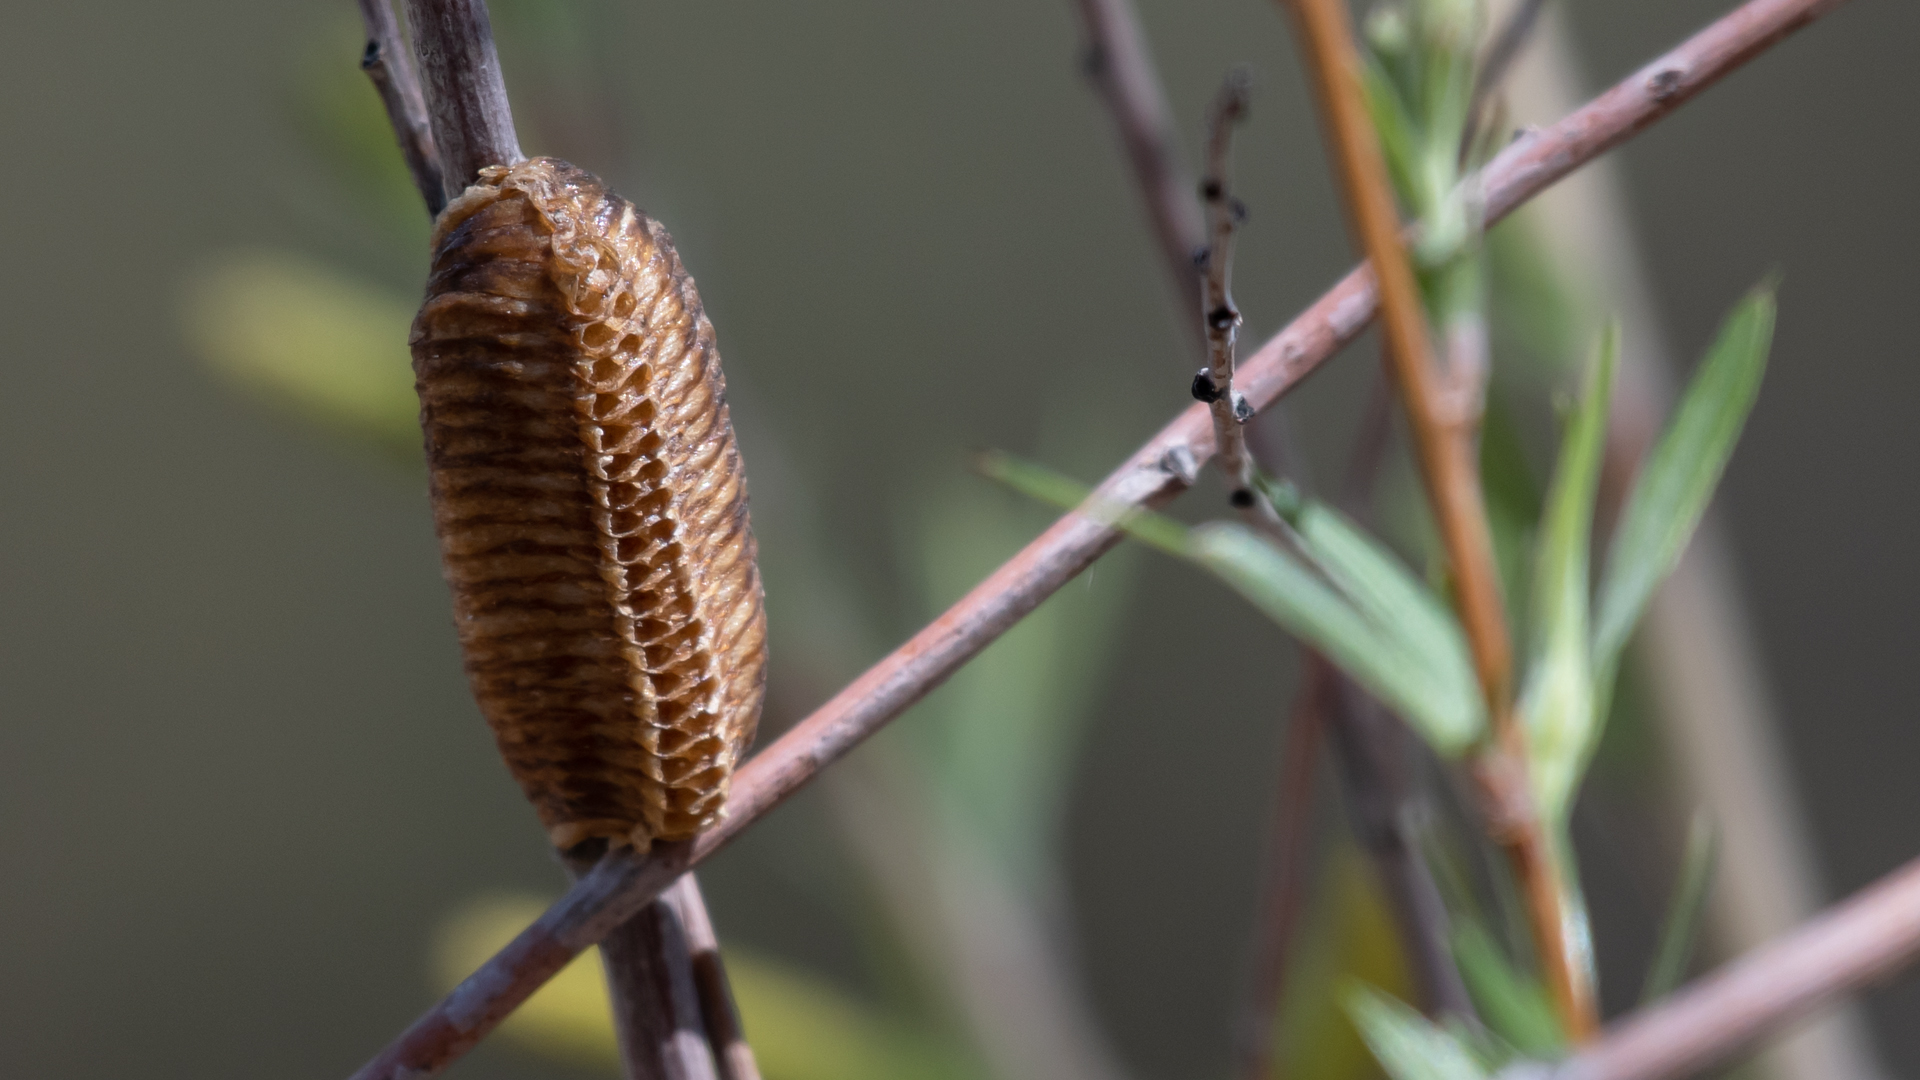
{"x": 1444, "y": 445}
{"x": 621, "y": 884}
{"x": 1857, "y": 942}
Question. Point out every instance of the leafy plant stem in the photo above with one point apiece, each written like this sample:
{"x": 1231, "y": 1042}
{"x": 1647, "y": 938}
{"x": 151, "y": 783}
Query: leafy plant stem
{"x": 1443, "y": 446}
{"x": 1158, "y": 470}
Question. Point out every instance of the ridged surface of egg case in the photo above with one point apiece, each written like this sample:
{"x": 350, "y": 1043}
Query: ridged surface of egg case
{"x": 590, "y": 504}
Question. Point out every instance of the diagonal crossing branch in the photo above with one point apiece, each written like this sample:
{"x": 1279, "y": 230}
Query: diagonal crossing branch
{"x": 1159, "y": 470}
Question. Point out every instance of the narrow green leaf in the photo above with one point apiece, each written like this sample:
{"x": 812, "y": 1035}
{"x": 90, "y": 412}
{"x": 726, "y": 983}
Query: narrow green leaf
{"x": 1352, "y": 602}
{"x": 1678, "y": 478}
{"x": 1034, "y": 481}
{"x": 1407, "y": 1045}
{"x": 1389, "y": 595}
{"x": 1557, "y": 703}
{"x": 1429, "y": 685}
{"x": 1682, "y": 925}
{"x": 1514, "y": 1006}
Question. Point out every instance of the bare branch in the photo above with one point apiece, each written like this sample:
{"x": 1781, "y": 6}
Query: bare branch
{"x": 385, "y": 63}
{"x": 722, "y": 1016}
{"x": 651, "y": 981}
{"x": 621, "y": 884}
{"x": 1214, "y": 384}
{"x": 1118, "y": 62}
{"x": 466, "y": 97}
{"x": 1855, "y": 943}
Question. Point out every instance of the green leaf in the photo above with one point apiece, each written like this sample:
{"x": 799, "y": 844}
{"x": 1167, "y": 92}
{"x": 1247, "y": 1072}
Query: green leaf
{"x": 325, "y": 344}
{"x": 1513, "y": 1005}
{"x": 1557, "y": 704}
{"x": 1011, "y": 722}
{"x": 1346, "y": 597}
{"x": 1678, "y": 478}
{"x": 1405, "y": 1043}
{"x": 1684, "y": 915}
{"x": 1373, "y": 620}
{"x": 1044, "y": 484}
{"x": 1389, "y": 595}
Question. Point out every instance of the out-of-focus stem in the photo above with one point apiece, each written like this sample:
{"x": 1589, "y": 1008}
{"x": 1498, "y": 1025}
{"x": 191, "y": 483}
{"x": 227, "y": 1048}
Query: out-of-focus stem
{"x": 1284, "y": 878}
{"x": 1443, "y": 446}
{"x": 1121, "y": 66}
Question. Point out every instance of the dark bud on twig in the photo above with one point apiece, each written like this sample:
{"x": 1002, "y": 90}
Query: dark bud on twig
{"x": 1242, "y": 408}
{"x": 1211, "y": 189}
{"x": 371, "y": 57}
{"x": 1203, "y": 388}
{"x": 1242, "y": 499}
{"x": 1222, "y": 317}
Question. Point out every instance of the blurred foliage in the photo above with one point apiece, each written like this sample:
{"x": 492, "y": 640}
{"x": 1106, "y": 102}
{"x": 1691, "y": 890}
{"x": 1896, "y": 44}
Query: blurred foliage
{"x": 1684, "y": 914}
{"x": 1557, "y": 699}
{"x": 312, "y": 340}
{"x": 998, "y": 742}
{"x": 801, "y": 1027}
{"x": 1348, "y": 938}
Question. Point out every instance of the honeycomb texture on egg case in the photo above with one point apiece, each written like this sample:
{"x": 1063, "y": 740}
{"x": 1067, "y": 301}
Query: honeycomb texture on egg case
{"x": 590, "y": 503}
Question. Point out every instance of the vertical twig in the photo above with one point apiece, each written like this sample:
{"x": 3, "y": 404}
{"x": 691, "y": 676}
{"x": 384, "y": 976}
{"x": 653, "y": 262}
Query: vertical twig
{"x": 385, "y": 62}
{"x": 651, "y": 983}
{"x": 729, "y": 1039}
{"x": 1444, "y": 449}
{"x": 1118, "y": 62}
{"x": 1214, "y": 383}
{"x": 651, "y": 969}
{"x": 1283, "y": 888}
{"x": 466, "y": 97}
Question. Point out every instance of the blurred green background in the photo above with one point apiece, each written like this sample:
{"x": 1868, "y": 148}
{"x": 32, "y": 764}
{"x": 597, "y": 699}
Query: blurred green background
{"x": 242, "y": 785}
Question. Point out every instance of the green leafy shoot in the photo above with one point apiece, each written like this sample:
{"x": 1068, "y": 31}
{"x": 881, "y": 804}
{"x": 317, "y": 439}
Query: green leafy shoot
{"x": 1680, "y": 475}
{"x": 1682, "y": 925}
{"x": 1557, "y": 702}
{"x": 1407, "y": 1045}
{"x": 1513, "y": 1005}
{"x": 1336, "y": 590}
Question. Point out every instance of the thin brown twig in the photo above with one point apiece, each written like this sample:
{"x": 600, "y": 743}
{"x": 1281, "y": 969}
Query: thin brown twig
{"x": 1443, "y": 445}
{"x": 1121, "y": 67}
{"x": 1214, "y": 384}
{"x": 717, "y": 1008}
{"x": 466, "y": 97}
{"x": 385, "y": 62}
{"x": 1855, "y": 943}
{"x": 621, "y": 884}
{"x": 649, "y": 962}
{"x": 1283, "y": 888}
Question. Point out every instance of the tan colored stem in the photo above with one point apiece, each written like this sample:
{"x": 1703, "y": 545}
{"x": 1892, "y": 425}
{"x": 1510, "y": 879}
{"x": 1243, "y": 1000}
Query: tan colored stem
{"x": 1443, "y": 444}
